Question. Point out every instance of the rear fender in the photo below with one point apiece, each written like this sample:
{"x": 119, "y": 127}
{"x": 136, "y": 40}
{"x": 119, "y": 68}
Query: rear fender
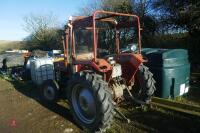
{"x": 130, "y": 64}
{"x": 100, "y": 65}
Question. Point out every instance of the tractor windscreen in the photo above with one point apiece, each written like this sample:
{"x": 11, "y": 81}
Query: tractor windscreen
{"x": 110, "y": 35}
{"x": 109, "y": 30}
{"x": 83, "y": 41}
{"x": 107, "y": 39}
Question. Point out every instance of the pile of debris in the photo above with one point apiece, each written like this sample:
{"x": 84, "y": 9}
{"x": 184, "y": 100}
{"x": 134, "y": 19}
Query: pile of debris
{"x": 12, "y": 59}
{"x": 11, "y": 65}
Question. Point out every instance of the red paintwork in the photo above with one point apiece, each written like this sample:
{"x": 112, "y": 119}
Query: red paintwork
{"x": 129, "y": 62}
{"x": 100, "y": 65}
{"x": 65, "y": 45}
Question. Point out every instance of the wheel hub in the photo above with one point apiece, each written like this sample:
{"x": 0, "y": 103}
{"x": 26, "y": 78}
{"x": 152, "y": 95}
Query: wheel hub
{"x": 84, "y": 104}
{"x": 49, "y": 93}
{"x": 86, "y": 101}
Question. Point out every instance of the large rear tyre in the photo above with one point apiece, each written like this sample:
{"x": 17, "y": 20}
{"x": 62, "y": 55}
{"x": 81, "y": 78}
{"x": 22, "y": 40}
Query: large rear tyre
{"x": 90, "y": 101}
{"x": 144, "y": 86}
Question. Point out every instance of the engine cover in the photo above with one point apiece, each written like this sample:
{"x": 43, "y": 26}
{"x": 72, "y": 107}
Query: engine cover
{"x": 116, "y": 71}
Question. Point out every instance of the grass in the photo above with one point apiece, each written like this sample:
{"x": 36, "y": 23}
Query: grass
{"x": 9, "y": 45}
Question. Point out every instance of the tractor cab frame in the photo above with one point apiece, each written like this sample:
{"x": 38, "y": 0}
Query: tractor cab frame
{"x": 90, "y": 59}
{"x": 94, "y": 83}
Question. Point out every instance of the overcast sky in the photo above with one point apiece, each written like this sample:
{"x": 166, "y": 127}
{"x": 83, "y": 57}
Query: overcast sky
{"x": 13, "y": 11}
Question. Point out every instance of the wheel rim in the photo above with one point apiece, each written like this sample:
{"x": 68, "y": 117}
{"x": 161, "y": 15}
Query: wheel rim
{"x": 84, "y": 104}
{"x": 49, "y": 93}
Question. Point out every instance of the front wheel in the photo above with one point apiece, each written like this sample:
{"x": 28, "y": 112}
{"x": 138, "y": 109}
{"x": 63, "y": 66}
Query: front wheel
{"x": 90, "y": 101}
{"x": 50, "y": 91}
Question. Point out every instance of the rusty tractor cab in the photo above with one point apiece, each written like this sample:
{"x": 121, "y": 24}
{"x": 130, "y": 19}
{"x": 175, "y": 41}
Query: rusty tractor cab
{"x": 96, "y": 73}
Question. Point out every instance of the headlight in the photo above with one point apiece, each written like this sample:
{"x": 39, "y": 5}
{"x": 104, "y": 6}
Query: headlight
{"x": 117, "y": 71}
{"x": 133, "y": 48}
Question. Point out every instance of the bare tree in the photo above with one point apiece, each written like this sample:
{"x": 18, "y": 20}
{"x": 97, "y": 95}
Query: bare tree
{"x": 43, "y": 30}
{"x": 90, "y": 8}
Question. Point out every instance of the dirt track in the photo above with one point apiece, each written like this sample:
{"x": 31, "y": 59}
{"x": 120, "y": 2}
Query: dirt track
{"x": 21, "y": 111}
{"x": 21, "y": 114}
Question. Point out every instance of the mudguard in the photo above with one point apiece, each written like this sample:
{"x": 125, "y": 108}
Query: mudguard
{"x": 130, "y": 63}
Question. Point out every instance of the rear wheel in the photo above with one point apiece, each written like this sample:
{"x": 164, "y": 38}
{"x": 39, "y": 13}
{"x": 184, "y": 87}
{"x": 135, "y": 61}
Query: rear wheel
{"x": 90, "y": 101}
{"x": 144, "y": 86}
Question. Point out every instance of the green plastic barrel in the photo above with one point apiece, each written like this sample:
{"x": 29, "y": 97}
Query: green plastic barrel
{"x": 171, "y": 70}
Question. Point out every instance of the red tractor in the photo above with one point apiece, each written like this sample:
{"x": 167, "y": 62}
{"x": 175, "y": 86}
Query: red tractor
{"x": 97, "y": 73}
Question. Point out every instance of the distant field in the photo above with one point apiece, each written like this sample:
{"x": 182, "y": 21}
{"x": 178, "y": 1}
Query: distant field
{"x": 8, "y": 45}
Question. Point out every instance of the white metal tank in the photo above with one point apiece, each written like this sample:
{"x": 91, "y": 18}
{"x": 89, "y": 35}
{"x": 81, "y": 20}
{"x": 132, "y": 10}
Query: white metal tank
{"x": 42, "y": 69}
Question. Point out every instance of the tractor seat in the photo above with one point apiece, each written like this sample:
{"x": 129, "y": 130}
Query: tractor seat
{"x": 85, "y": 56}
